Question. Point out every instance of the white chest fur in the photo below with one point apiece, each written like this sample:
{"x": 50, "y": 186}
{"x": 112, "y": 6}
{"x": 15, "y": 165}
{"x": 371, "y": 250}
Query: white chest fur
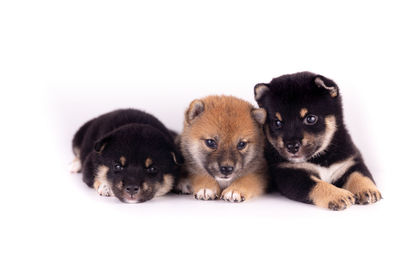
{"x": 224, "y": 183}
{"x": 328, "y": 174}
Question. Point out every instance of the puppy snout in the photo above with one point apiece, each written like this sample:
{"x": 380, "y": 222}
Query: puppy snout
{"x": 132, "y": 189}
{"x": 226, "y": 170}
{"x": 293, "y": 146}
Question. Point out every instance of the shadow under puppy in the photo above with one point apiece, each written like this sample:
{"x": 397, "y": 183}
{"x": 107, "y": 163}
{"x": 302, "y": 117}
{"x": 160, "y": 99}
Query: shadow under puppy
{"x": 128, "y": 154}
{"x": 222, "y": 143}
{"x": 311, "y": 156}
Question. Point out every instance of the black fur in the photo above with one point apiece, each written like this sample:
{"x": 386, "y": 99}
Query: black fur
{"x": 287, "y": 95}
{"x": 136, "y": 136}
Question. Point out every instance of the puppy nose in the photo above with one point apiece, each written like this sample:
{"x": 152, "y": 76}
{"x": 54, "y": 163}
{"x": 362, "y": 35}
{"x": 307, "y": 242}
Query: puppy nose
{"x": 293, "y": 147}
{"x": 226, "y": 170}
{"x": 132, "y": 190}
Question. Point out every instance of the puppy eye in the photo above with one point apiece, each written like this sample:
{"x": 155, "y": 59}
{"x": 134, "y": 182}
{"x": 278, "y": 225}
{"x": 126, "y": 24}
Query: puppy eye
{"x": 118, "y": 167}
{"x": 310, "y": 120}
{"x": 152, "y": 170}
{"x": 278, "y": 124}
{"x": 211, "y": 143}
{"x": 241, "y": 145}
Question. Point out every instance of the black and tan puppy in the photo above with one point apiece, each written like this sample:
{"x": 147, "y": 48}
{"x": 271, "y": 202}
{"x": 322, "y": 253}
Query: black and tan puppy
{"x": 128, "y": 154}
{"x": 222, "y": 143}
{"x": 311, "y": 155}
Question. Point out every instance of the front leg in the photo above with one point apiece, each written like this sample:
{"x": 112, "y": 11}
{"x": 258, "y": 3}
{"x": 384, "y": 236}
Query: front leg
{"x": 244, "y": 188}
{"x": 306, "y": 187}
{"x": 358, "y": 180}
{"x": 96, "y": 177}
{"x": 204, "y": 187}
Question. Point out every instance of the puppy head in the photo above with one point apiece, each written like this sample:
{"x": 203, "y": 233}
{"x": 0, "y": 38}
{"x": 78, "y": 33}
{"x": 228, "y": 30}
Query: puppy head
{"x": 223, "y": 136}
{"x": 304, "y": 110}
{"x": 141, "y": 160}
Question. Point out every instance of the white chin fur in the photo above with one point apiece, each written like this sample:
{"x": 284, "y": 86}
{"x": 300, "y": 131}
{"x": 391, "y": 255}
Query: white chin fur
{"x": 130, "y": 201}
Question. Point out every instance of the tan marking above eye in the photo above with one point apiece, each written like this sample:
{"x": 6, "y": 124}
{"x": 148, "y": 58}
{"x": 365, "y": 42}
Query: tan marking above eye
{"x": 303, "y": 112}
{"x": 122, "y": 160}
{"x": 279, "y": 116}
{"x": 148, "y": 162}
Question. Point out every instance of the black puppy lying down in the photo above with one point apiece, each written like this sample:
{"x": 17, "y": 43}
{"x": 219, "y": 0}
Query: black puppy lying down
{"x": 128, "y": 154}
{"x": 311, "y": 155}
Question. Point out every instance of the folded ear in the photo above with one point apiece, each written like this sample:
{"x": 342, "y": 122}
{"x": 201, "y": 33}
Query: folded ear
{"x": 101, "y": 144}
{"x": 327, "y": 84}
{"x": 195, "y": 109}
{"x": 259, "y": 115}
{"x": 260, "y": 90}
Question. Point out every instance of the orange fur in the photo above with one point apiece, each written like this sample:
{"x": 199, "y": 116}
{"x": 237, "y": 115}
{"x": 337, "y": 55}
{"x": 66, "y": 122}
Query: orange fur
{"x": 230, "y": 120}
{"x": 230, "y": 115}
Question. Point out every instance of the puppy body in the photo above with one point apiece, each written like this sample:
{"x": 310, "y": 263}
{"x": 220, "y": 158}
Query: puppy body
{"x": 222, "y": 143}
{"x": 311, "y": 156}
{"x": 128, "y": 154}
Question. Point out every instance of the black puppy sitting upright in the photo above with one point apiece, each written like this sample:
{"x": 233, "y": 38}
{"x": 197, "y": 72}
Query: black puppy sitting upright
{"x": 128, "y": 154}
{"x": 311, "y": 155}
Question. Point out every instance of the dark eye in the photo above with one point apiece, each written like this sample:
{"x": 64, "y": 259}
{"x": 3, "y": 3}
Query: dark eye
{"x": 118, "y": 167}
{"x": 278, "y": 124}
{"x": 241, "y": 145}
{"x": 211, "y": 143}
{"x": 310, "y": 120}
{"x": 152, "y": 170}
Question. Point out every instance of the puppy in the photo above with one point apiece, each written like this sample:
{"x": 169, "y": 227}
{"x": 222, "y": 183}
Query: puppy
{"x": 311, "y": 155}
{"x": 128, "y": 154}
{"x": 222, "y": 144}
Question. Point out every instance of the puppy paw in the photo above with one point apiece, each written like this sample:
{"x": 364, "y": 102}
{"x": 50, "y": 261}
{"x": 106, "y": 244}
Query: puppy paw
{"x": 326, "y": 195}
{"x": 368, "y": 196}
{"x": 206, "y": 194}
{"x": 104, "y": 190}
{"x": 75, "y": 166}
{"x": 341, "y": 202}
{"x": 205, "y": 187}
{"x": 363, "y": 188}
{"x": 233, "y": 195}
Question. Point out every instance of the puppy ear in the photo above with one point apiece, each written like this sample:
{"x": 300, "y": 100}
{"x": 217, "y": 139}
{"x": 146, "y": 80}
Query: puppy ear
{"x": 260, "y": 90}
{"x": 327, "y": 84}
{"x": 100, "y": 144}
{"x": 177, "y": 157}
{"x": 259, "y": 115}
{"x": 195, "y": 109}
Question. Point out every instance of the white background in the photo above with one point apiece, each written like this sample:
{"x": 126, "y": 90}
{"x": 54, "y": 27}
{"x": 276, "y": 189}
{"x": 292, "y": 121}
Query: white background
{"x": 63, "y": 62}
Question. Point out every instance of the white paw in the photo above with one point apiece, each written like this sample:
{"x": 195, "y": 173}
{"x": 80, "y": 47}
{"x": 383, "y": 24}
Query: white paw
{"x": 75, "y": 166}
{"x": 184, "y": 187}
{"x": 206, "y": 194}
{"x": 105, "y": 190}
{"x": 233, "y": 196}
